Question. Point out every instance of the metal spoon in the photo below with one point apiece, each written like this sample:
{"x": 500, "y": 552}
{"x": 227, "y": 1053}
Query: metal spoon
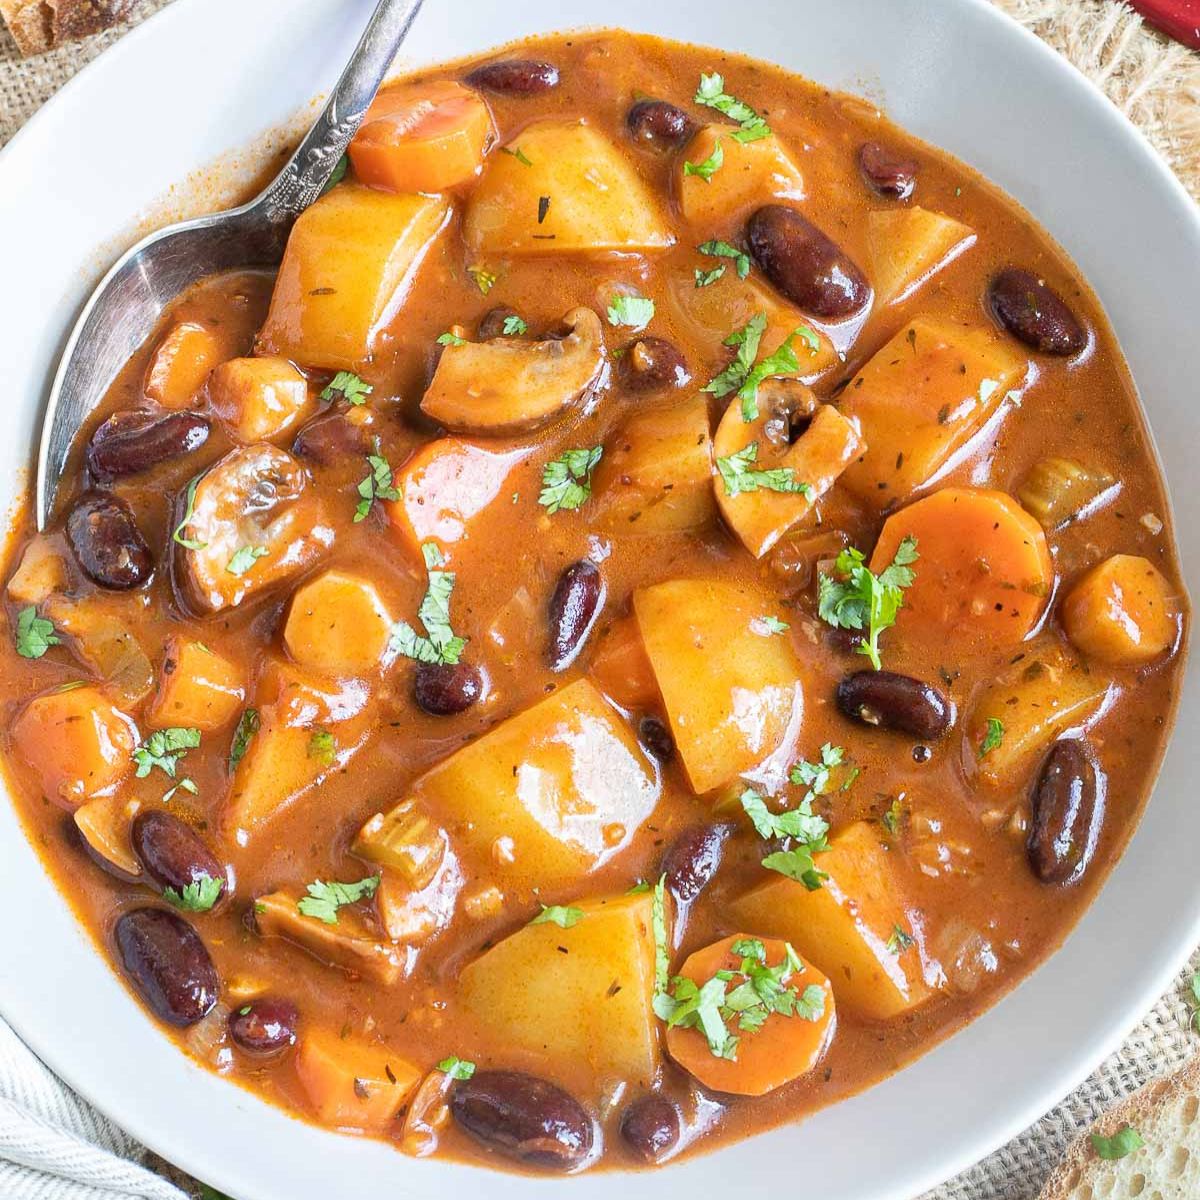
{"x": 124, "y": 308}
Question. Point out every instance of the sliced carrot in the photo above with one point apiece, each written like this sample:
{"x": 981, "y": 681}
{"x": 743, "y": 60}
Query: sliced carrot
{"x": 622, "y": 668}
{"x": 196, "y": 687}
{"x": 352, "y": 1083}
{"x": 1121, "y": 611}
{"x": 782, "y": 1049}
{"x": 984, "y": 567}
{"x": 422, "y": 137}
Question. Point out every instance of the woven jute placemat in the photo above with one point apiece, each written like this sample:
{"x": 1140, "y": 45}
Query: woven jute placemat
{"x": 1156, "y": 83}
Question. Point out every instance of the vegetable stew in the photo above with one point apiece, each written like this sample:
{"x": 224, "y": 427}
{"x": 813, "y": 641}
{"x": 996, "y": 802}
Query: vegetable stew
{"x": 661, "y": 609}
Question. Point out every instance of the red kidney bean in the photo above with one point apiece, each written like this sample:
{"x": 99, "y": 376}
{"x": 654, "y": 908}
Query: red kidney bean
{"x": 264, "y": 1027}
{"x": 659, "y": 125}
{"x": 491, "y": 324}
{"x": 656, "y": 737}
{"x": 1033, "y": 313}
{"x": 131, "y": 442}
{"x": 888, "y": 174}
{"x": 515, "y": 77}
{"x": 168, "y": 964}
{"x": 443, "y": 689}
{"x": 1067, "y": 804}
{"x": 891, "y": 701}
{"x": 574, "y": 607}
{"x": 523, "y": 1117}
{"x": 693, "y": 859}
{"x": 650, "y": 364}
{"x": 331, "y": 439}
{"x": 650, "y": 1127}
{"x": 107, "y": 543}
{"x": 804, "y": 264}
{"x": 171, "y": 851}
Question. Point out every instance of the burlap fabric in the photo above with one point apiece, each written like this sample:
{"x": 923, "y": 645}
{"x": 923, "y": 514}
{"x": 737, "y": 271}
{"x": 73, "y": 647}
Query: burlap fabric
{"x": 1157, "y": 84}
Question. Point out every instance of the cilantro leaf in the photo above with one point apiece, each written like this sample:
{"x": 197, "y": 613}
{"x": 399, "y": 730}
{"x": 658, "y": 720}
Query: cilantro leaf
{"x": 567, "y": 480}
{"x": 324, "y": 899}
{"x": 894, "y": 817}
{"x": 704, "y": 278}
{"x": 449, "y": 338}
{"x": 738, "y": 475}
{"x": 322, "y": 747}
{"x": 485, "y": 280}
{"x": 768, "y": 625}
{"x": 993, "y": 737}
{"x": 564, "y": 916}
{"x": 184, "y": 785}
{"x": 718, "y": 249}
{"x": 377, "y": 485}
{"x": 163, "y": 749}
{"x": 900, "y": 940}
{"x": 35, "y": 635}
{"x": 349, "y": 387}
{"x": 712, "y": 94}
{"x": 244, "y": 558}
{"x": 636, "y": 312}
{"x": 861, "y": 600}
{"x": 518, "y": 154}
{"x": 816, "y": 776}
{"x": 198, "y": 896}
{"x": 457, "y": 1068}
{"x": 746, "y": 341}
{"x": 189, "y": 509}
{"x": 709, "y": 167}
{"x": 441, "y": 645}
{"x": 514, "y": 326}
{"x": 1125, "y": 1141}
{"x": 247, "y": 727}
{"x": 743, "y": 375}
{"x": 662, "y": 950}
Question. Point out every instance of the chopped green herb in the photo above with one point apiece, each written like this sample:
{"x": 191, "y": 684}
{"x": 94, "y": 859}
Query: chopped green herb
{"x": 457, "y": 1068}
{"x": 704, "y": 278}
{"x": 184, "y": 785}
{"x": 744, "y": 375}
{"x": 862, "y": 600}
{"x": 198, "y": 896}
{"x": 376, "y": 486}
{"x": 35, "y": 635}
{"x": 718, "y": 249}
{"x": 514, "y": 326}
{"x": 349, "y": 386}
{"x": 441, "y": 645}
{"x": 768, "y": 625}
{"x": 1124, "y": 1141}
{"x": 324, "y": 899}
{"x": 894, "y": 817}
{"x": 636, "y": 312}
{"x": 712, "y": 94}
{"x": 658, "y": 922}
{"x": 900, "y": 940}
{"x": 322, "y": 747}
{"x": 816, "y": 776}
{"x": 993, "y": 737}
{"x": 337, "y": 174}
{"x": 189, "y": 509}
{"x": 709, "y": 167}
{"x": 739, "y": 475}
{"x": 450, "y": 339}
{"x": 485, "y": 280}
{"x": 567, "y": 480}
{"x": 518, "y": 154}
{"x": 639, "y": 888}
{"x": 244, "y": 558}
{"x": 564, "y": 916}
{"x": 163, "y": 749}
{"x": 247, "y": 727}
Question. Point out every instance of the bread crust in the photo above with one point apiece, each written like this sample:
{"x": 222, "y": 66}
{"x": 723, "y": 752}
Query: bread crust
{"x": 41, "y": 25}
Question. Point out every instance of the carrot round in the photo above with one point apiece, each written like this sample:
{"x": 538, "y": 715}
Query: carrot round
{"x": 422, "y": 137}
{"x": 780, "y": 1050}
{"x": 984, "y": 566}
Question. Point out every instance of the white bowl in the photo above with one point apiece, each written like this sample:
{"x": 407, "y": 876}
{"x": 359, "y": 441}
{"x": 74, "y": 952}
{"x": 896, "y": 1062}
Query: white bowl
{"x": 208, "y": 76}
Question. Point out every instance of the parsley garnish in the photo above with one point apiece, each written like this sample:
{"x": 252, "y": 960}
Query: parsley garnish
{"x": 658, "y": 921}
{"x": 244, "y": 558}
{"x": 768, "y": 625}
{"x": 163, "y": 749}
{"x": 324, "y": 899}
{"x": 738, "y": 475}
{"x": 801, "y": 824}
{"x": 758, "y": 992}
{"x": 450, "y": 339}
{"x": 1124, "y": 1141}
{"x": 440, "y": 645}
{"x": 743, "y": 375}
{"x": 376, "y": 486}
{"x": 712, "y": 94}
{"x": 198, "y": 896}
{"x": 184, "y": 785}
{"x": 337, "y": 174}
{"x": 518, "y": 154}
{"x": 247, "y": 727}
{"x": 816, "y": 776}
{"x": 900, "y": 940}
{"x": 567, "y": 480}
{"x": 709, "y": 167}
{"x": 322, "y": 746}
{"x": 35, "y": 635}
{"x": 704, "y": 278}
{"x": 862, "y": 600}
{"x": 718, "y": 249}
{"x": 485, "y": 280}
{"x": 894, "y": 817}
{"x": 514, "y": 326}
{"x": 634, "y": 311}
{"x": 457, "y": 1068}
{"x": 564, "y": 916}
{"x": 349, "y": 386}
{"x": 189, "y": 510}
{"x": 993, "y": 737}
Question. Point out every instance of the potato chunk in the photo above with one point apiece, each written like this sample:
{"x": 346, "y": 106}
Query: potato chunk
{"x": 732, "y": 693}
{"x": 906, "y": 246}
{"x": 197, "y": 687}
{"x": 590, "y": 1005}
{"x": 41, "y": 572}
{"x": 816, "y": 458}
{"x": 1044, "y": 694}
{"x": 847, "y": 927}
{"x": 751, "y": 174}
{"x": 338, "y": 624}
{"x": 656, "y": 473}
{"x": 1122, "y": 612}
{"x": 257, "y": 399}
{"x": 564, "y": 785}
{"x": 921, "y": 399}
{"x": 349, "y": 264}
{"x": 77, "y": 744}
{"x": 598, "y": 203}
{"x": 353, "y": 1084}
{"x": 181, "y": 363}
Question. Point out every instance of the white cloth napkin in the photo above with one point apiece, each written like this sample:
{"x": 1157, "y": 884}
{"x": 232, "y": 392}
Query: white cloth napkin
{"x": 55, "y": 1146}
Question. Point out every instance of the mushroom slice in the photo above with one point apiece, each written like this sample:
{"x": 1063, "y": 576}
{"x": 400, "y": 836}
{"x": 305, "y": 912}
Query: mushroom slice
{"x": 251, "y": 521}
{"x": 509, "y": 386}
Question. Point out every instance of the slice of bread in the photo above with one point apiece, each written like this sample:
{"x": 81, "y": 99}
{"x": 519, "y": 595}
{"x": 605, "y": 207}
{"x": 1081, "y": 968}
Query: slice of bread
{"x": 40, "y": 25}
{"x": 30, "y": 23}
{"x": 1167, "y": 1167}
